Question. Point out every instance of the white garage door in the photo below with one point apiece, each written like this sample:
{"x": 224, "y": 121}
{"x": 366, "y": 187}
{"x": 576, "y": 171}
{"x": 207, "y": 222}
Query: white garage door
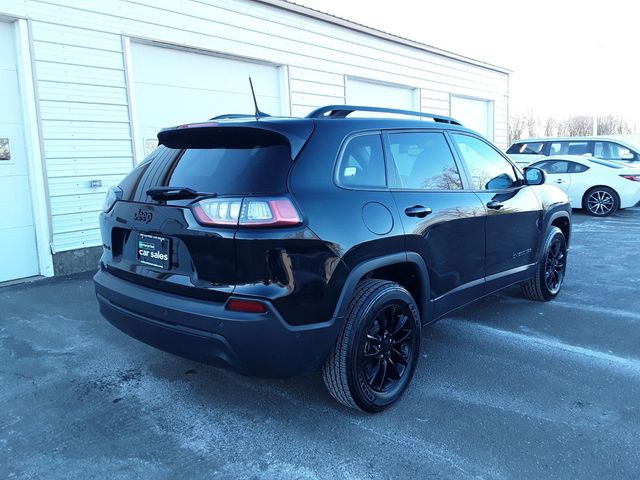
{"x": 18, "y": 252}
{"x": 474, "y": 113}
{"x": 361, "y": 92}
{"x": 172, "y": 87}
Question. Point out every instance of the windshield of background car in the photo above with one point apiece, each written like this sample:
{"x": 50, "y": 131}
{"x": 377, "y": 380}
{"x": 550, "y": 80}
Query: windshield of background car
{"x": 613, "y": 151}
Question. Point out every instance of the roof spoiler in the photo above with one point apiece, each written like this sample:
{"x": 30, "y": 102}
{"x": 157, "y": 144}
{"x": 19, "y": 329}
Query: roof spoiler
{"x": 212, "y": 133}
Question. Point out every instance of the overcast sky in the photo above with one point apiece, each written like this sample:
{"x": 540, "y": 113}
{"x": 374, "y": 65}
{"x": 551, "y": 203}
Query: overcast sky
{"x": 568, "y": 57}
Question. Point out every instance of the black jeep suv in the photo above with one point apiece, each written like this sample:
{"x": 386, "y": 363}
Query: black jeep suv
{"x": 282, "y": 246}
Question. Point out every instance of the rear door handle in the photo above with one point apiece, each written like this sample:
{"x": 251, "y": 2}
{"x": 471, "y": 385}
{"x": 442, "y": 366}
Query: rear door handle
{"x": 559, "y": 181}
{"x": 494, "y": 205}
{"x": 417, "y": 211}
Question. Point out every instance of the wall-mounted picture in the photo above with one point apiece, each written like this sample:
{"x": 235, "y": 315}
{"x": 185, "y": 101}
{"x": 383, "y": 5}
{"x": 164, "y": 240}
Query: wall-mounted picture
{"x": 150, "y": 144}
{"x": 5, "y": 151}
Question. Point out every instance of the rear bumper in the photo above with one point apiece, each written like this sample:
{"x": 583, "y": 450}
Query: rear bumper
{"x": 252, "y": 344}
{"x": 630, "y": 200}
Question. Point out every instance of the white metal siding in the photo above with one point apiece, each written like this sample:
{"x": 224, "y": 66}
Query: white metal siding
{"x": 81, "y": 79}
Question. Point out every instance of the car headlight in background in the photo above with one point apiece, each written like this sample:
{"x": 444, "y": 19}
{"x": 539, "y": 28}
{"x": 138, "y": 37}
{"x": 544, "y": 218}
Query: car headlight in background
{"x": 113, "y": 195}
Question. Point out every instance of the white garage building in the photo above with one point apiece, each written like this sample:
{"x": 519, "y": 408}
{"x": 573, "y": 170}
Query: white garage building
{"x": 86, "y": 85}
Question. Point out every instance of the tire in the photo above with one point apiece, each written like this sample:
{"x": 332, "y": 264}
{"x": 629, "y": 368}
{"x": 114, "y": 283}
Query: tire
{"x": 355, "y": 370}
{"x": 600, "y": 201}
{"x": 546, "y": 283}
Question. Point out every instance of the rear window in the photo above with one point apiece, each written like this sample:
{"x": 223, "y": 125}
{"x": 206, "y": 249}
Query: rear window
{"x": 235, "y": 165}
{"x": 532, "y": 148}
{"x": 560, "y": 166}
{"x": 362, "y": 163}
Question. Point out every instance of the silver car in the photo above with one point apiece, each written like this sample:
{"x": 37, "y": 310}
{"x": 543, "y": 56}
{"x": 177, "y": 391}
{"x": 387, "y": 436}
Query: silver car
{"x": 623, "y": 149}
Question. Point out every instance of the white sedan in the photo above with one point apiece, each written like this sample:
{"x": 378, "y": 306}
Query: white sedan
{"x": 598, "y": 186}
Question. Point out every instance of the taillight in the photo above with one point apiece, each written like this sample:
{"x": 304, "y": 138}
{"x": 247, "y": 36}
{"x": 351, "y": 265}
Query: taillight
{"x": 113, "y": 195}
{"x": 246, "y": 306}
{"x": 633, "y": 178}
{"x": 247, "y": 212}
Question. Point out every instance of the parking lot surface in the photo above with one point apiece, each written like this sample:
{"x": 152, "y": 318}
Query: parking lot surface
{"x": 506, "y": 388}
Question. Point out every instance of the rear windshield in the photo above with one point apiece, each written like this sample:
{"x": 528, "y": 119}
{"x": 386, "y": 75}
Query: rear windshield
{"x": 239, "y": 166}
{"x": 532, "y": 148}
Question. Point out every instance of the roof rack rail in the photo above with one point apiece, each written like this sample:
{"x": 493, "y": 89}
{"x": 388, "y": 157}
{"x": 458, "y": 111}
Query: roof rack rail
{"x": 237, "y": 115}
{"x": 342, "y": 111}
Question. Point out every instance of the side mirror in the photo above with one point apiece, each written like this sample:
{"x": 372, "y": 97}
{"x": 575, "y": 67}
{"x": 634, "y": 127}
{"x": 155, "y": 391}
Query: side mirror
{"x": 534, "y": 176}
{"x": 627, "y": 156}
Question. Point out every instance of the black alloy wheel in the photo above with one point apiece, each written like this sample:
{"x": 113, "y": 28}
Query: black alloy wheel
{"x": 546, "y": 282}
{"x": 555, "y": 264}
{"x": 388, "y": 348}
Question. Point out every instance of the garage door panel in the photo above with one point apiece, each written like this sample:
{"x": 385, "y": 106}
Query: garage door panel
{"x": 23, "y": 247}
{"x": 474, "y": 113}
{"x": 172, "y": 87}
{"x": 362, "y": 92}
{"x": 178, "y": 105}
{"x": 18, "y": 252}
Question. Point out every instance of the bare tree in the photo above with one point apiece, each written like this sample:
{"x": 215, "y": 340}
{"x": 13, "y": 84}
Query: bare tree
{"x": 515, "y": 128}
{"x": 549, "y": 126}
{"x": 580, "y": 125}
{"x": 611, "y": 125}
{"x": 531, "y": 123}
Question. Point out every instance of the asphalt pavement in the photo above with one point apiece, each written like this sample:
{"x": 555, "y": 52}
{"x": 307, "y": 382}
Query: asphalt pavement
{"x": 505, "y": 388}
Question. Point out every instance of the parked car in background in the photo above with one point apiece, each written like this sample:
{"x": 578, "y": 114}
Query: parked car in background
{"x": 616, "y": 148}
{"x": 283, "y": 246}
{"x": 600, "y": 187}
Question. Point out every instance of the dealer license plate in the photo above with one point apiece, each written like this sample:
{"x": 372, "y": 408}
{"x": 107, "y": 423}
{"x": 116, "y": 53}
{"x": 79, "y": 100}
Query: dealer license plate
{"x": 154, "y": 250}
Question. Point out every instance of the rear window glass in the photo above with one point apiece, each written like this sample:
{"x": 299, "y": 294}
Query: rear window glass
{"x": 533, "y": 148}
{"x": 236, "y": 169}
{"x": 362, "y": 163}
{"x": 560, "y": 166}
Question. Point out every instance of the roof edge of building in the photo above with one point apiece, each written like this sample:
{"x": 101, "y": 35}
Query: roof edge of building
{"x": 343, "y": 22}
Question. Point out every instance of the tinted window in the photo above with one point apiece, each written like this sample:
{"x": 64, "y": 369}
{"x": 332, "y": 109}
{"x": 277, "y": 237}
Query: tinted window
{"x": 561, "y": 166}
{"x": 489, "y": 170}
{"x": 362, "y": 163}
{"x": 423, "y": 161}
{"x": 612, "y": 151}
{"x": 532, "y": 148}
{"x": 233, "y": 170}
{"x": 569, "y": 148}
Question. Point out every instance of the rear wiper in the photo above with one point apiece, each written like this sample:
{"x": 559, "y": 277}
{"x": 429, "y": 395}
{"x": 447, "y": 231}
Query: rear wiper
{"x": 175, "y": 193}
